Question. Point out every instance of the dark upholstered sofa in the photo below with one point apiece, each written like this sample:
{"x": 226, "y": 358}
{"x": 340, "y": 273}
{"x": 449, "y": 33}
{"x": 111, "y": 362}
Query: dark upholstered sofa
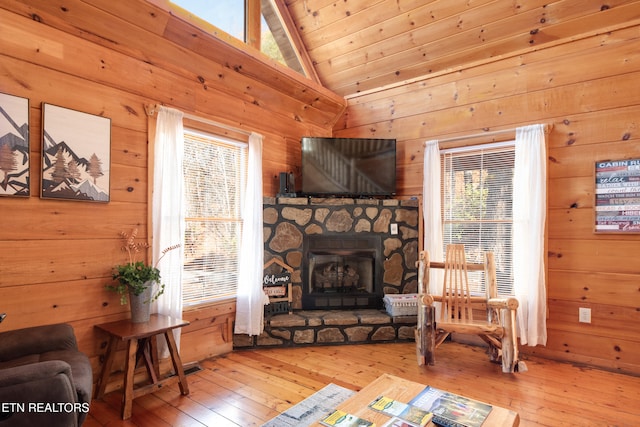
{"x": 44, "y": 379}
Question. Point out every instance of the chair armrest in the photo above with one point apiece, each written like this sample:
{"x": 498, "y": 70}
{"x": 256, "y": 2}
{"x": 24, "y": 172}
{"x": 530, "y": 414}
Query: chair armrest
{"x": 33, "y": 372}
{"x": 427, "y": 300}
{"x": 510, "y": 303}
{"x": 36, "y": 392}
{"x": 36, "y": 340}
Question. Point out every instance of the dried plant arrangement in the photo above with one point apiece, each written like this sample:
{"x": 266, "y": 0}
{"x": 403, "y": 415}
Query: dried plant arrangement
{"x": 136, "y": 276}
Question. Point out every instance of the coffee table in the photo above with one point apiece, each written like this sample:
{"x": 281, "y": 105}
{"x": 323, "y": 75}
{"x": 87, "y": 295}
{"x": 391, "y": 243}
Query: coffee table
{"x": 403, "y": 391}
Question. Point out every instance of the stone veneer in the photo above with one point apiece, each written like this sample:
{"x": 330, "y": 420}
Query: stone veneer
{"x": 330, "y": 327}
{"x": 288, "y": 220}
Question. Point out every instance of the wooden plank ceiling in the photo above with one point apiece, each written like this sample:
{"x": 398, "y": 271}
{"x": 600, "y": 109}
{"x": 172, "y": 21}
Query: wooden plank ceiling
{"x": 363, "y": 45}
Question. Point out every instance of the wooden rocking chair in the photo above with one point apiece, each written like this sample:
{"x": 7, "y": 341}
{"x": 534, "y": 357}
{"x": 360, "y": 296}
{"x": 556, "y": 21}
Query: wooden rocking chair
{"x": 498, "y": 329}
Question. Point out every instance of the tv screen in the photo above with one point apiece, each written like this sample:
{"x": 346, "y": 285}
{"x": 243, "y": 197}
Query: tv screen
{"x": 348, "y": 166}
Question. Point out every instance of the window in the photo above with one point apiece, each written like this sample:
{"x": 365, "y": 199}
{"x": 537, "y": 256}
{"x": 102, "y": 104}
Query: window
{"x": 258, "y": 23}
{"x": 477, "y": 190}
{"x": 275, "y": 41}
{"x": 215, "y": 178}
{"x": 227, "y": 15}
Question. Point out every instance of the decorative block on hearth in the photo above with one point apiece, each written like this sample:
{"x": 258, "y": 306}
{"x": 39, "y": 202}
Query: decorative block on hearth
{"x": 401, "y": 304}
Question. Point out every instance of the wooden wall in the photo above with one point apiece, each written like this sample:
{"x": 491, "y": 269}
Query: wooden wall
{"x": 111, "y": 58}
{"x": 362, "y": 45}
{"x": 587, "y": 88}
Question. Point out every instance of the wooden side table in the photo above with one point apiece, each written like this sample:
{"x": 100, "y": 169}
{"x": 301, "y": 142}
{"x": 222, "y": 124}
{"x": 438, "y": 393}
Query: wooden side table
{"x": 141, "y": 343}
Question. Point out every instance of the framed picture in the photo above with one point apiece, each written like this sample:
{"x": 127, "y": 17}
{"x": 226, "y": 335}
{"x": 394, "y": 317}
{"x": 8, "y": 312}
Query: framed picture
{"x": 76, "y": 155}
{"x": 14, "y": 146}
{"x": 617, "y": 196}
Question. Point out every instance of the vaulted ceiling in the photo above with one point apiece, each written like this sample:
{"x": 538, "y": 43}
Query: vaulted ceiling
{"x": 363, "y": 45}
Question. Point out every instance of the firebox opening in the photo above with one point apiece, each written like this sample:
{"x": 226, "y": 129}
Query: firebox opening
{"x": 333, "y": 273}
{"x": 341, "y": 273}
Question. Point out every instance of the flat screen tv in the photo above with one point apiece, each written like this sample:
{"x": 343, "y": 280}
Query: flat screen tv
{"x": 348, "y": 167}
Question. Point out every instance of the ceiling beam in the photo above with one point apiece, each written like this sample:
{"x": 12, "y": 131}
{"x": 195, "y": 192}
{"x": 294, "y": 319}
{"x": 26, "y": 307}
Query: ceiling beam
{"x": 294, "y": 36}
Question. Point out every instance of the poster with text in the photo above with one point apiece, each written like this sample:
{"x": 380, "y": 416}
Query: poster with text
{"x": 617, "y": 196}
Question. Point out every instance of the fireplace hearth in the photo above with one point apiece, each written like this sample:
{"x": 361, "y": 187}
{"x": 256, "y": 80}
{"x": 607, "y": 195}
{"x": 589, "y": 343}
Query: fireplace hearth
{"x": 341, "y": 272}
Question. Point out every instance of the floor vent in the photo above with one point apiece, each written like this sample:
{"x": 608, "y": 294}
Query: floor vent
{"x": 192, "y": 369}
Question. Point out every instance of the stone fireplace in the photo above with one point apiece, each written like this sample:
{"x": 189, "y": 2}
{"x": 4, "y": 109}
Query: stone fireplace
{"x": 345, "y": 253}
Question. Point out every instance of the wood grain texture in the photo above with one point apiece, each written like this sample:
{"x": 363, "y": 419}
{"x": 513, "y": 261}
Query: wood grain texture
{"x": 586, "y": 90}
{"x": 111, "y": 59}
{"x": 248, "y": 388}
{"x": 361, "y": 46}
{"x": 413, "y": 70}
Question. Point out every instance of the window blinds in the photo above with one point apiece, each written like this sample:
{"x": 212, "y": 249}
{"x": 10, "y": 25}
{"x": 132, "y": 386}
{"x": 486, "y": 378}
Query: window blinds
{"x": 215, "y": 177}
{"x": 477, "y": 191}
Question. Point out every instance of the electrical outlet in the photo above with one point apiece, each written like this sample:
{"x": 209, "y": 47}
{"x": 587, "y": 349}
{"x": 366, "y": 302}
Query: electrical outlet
{"x": 394, "y": 228}
{"x": 584, "y": 315}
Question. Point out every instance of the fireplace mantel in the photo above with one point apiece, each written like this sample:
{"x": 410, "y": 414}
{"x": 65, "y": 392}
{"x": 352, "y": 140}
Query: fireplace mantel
{"x": 393, "y": 222}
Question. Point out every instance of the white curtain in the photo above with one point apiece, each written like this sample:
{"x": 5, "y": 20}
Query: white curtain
{"x": 251, "y": 299}
{"x": 529, "y": 211}
{"x": 168, "y": 211}
{"x": 431, "y": 211}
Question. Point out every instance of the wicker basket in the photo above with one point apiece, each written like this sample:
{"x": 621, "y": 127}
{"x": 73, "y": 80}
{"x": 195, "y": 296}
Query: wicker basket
{"x": 401, "y": 304}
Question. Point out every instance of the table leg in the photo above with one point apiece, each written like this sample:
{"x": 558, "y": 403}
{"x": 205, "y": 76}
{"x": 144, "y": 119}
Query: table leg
{"x": 155, "y": 358}
{"x": 106, "y": 368}
{"x": 130, "y": 367}
{"x": 147, "y": 349}
{"x": 177, "y": 363}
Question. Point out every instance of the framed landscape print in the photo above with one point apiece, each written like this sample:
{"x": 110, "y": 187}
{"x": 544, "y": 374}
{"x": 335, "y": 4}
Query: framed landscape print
{"x": 76, "y": 155}
{"x": 14, "y": 145}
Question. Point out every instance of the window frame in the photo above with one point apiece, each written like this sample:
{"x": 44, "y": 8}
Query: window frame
{"x": 225, "y": 137}
{"x": 296, "y": 55}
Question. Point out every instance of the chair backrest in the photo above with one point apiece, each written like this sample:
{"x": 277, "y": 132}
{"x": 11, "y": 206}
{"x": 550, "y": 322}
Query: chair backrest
{"x": 456, "y": 295}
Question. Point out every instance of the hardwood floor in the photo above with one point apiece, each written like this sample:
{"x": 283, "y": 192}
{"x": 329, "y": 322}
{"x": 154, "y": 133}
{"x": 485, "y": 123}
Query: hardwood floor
{"x": 247, "y": 388}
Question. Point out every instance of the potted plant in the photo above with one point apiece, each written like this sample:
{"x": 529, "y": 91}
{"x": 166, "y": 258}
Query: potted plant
{"x": 136, "y": 280}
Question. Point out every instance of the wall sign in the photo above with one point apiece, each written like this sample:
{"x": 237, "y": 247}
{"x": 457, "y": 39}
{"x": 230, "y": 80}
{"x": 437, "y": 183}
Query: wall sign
{"x": 276, "y": 284}
{"x": 617, "y": 196}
